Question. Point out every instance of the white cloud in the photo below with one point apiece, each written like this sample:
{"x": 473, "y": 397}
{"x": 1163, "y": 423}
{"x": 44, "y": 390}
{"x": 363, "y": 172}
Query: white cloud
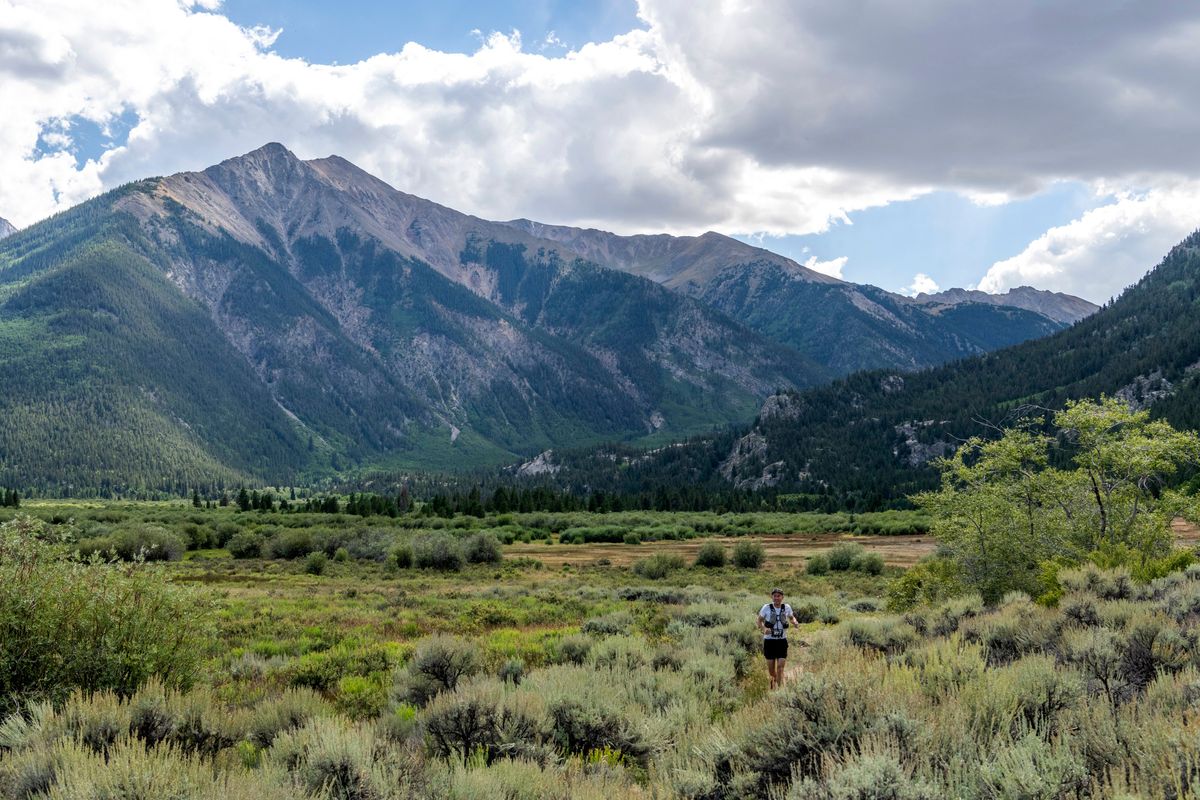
{"x": 831, "y": 267}
{"x": 1106, "y": 249}
{"x": 754, "y": 116}
{"x": 921, "y": 284}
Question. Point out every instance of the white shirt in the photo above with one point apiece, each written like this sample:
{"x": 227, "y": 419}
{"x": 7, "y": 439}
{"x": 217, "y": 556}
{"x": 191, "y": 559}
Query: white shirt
{"x": 767, "y": 612}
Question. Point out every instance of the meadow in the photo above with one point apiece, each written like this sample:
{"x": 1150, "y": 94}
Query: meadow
{"x": 268, "y": 654}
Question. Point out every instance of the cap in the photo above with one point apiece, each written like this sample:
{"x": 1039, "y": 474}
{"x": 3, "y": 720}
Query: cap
{"x": 777, "y": 590}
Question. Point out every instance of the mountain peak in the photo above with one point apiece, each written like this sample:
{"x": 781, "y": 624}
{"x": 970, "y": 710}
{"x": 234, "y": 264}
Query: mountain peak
{"x": 6, "y": 228}
{"x": 272, "y": 156}
{"x": 1064, "y": 308}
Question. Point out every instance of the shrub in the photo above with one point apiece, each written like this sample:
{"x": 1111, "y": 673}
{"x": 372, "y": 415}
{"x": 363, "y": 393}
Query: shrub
{"x": 842, "y": 557}
{"x": 621, "y": 652}
{"x": 342, "y": 555}
{"x": 1033, "y": 767}
{"x": 658, "y": 565}
{"x": 400, "y": 557}
{"x": 148, "y": 542}
{"x": 868, "y": 777}
{"x": 887, "y": 635}
{"x": 609, "y": 624}
{"x": 130, "y": 770}
{"x": 710, "y": 554}
{"x": 438, "y": 551}
{"x": 749, "y": 555}
{"x": 815, "y": 716}
{"x": 1013, "y": 631}
{"x": 245, "y": 544}
{"x": 333, "y": 757}
{"x": 360, "y": 697}
{"x": 1029, "y": 694}
{"x": 438, "y": 665}
{"x": 483, "y": 719}
{"x": 574, "y": 649}
{"x": 817, "y": 565}
{"x": 95, "y": 627}
{"x": 291, "y": 544}
{"x": 868, "y": 563}
{"x": 482, "y": 548}
{"x": 632, "y": 538}
{"x": 511, "y": 671}
{"x": 929, "y": 581}
{"x": 316, "y": 563}
{"x": 587, "y": 716}
{"x": 291, "y": 710}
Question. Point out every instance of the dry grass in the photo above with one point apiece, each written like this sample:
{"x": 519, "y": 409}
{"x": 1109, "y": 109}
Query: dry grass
{"x": 790, "y": 550}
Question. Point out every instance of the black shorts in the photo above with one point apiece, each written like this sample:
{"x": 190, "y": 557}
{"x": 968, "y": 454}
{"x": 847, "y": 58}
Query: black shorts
{"x": 774, "y": 648}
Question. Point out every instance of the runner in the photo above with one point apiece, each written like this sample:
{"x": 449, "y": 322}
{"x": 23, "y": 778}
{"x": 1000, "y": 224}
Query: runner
{"x": 773, "y": 621}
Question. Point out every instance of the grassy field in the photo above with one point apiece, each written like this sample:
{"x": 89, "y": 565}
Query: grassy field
{"x": 336, "y": 667}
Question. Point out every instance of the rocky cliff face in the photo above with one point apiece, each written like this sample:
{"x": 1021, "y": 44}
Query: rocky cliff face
{"x": 6, "y": 228}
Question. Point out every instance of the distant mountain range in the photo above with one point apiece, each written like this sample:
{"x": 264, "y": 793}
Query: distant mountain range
{"x": 844, "y": 326}
{"x": 271, "y": 319}
{"x": 867, "y": 440}
{"x": 6, "y": 228}
{"x": 1059, "y": 307}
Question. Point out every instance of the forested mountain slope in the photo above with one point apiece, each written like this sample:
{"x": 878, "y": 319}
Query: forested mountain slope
{"x": 270, "y": 318}
{"x": 844, "y": 326}
{"x": 867, "y": 439}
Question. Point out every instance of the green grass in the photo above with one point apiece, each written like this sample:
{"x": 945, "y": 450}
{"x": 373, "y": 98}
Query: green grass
{"x": 588, "y": 680}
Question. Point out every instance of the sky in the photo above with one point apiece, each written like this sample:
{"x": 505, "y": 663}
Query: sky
{"x": 913, "y": 146}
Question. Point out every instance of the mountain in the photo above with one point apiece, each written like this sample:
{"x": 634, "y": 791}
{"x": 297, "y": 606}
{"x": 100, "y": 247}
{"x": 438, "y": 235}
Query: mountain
{"x": 866, "y": 440}
{"x": 843, "y": 326}
{"x": 1063, "y": 308}
{"x": 271, "y": 318}
{"x": 6, "y": 228}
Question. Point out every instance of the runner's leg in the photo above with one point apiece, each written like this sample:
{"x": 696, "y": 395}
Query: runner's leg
{"x": 780, "y": 664}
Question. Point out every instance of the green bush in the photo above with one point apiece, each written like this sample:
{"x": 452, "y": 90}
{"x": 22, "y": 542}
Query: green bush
{"x": 574, "y": 649}
{"x": 868, "y": 564}
{"x": 146, "y": 542}
{"x": 400, "y": 557}
{"x": 360, "y": 697}
{"x": 439, "y": 551}
{"x": 842, "y": 557}
{"x": 817, "y": 565}
{"x": 928, "y": 581}
{"x": 481, "y": 548}
{"x": 316, "y": 563}
{"x": 711, "y": 554}
{"x": 749, "y": 555}
{"x": 91, "y": 626}
{"x": 245, "y": 544}
{"x": 658, "y": 565}
{"x": 342, "y": 555}
{"x": 291, "y": 544}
